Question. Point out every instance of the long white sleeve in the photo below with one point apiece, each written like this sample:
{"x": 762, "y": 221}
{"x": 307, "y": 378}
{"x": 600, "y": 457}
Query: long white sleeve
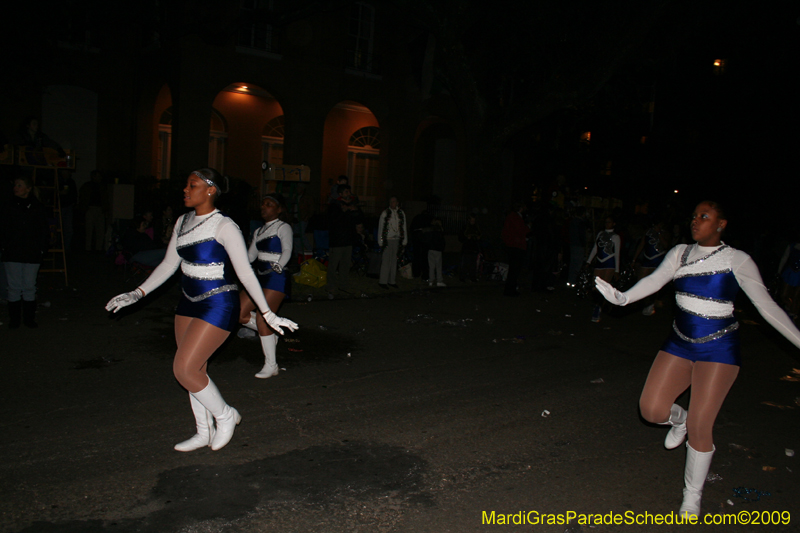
{"x": 167, "y": 267}
{"x": 252, "y": 251}
{"x": 286, "y": 236}
{"x": 381, "y": 218}
{"x": 749, "y": 278}
{"x": 661, "y": 276}
{"x": 229, "y": 236}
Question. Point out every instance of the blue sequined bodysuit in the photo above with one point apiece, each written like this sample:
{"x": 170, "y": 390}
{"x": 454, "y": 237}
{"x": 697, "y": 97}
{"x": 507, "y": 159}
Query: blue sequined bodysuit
{"x": 705, "y": 328}
{"x": 210, "y": 292}
{"x": 270, "y": 248}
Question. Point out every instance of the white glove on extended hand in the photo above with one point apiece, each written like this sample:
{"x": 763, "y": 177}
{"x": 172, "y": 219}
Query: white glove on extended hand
{"x": 610, "y": 293}
{"x": 276, "y": 322}
{"x": 123, "y": 300}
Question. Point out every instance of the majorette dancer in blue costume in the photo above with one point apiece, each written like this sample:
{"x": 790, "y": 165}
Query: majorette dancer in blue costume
{"x": 652, "y": 249}
{"x": 607, "y": 247}
{"x": 271, "y": 249}
{"x": 208, "y": 247}
{"x": 702, "y": 350}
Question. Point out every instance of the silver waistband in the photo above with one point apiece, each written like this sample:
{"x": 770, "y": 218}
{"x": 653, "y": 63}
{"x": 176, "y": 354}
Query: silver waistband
{"x": 212, "y": 292}
{"x": 707, "y": 338}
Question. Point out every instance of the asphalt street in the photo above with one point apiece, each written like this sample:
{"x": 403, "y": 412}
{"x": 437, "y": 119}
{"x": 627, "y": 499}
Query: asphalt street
{"x": 411, "y": 410}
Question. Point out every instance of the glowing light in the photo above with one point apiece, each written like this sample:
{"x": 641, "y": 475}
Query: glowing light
{"x": 675, "y": 191}
{"x": 717, "y": 62}
{"x": 243, "y": 87}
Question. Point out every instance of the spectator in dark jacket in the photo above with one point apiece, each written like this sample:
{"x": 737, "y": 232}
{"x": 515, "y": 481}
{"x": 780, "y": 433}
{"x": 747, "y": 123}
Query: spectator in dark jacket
{"x": 470, "y": 238}
{"x": 435, "y": 252}
{"x": 342, "y": 219}
{"x": 515, "y": 233}
{"x": 24, "y": 238}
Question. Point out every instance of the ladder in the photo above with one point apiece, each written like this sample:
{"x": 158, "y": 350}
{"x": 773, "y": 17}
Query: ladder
{"x": 45, "y": 165}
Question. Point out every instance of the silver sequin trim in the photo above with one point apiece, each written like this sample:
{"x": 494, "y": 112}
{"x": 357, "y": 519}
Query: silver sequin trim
{"x": 180, "y": 247}
{"x": 707, "y": 338}
{"x": 689, "y": 249}
{"x": 212, "y": 292}
{"x": 710, "y": 273}
{"x": 701, "y": 315}
{"x": 181, "y": 233}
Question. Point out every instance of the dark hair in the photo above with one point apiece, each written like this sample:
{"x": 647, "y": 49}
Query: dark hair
{"x": 716, "y": 206}
{"x": 25, "y": 179}
{"x": 341, "y": 188}
{"x": 281, "y": 201}
{"x": 213, "y": 175}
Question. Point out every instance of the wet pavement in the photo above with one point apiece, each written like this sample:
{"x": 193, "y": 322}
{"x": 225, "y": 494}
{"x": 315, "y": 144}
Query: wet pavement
{"x": 406, "y": 410}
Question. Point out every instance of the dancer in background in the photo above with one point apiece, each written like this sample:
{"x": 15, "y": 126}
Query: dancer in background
{"x": 271, "y": 248}
{"x": 702, "y": 351}
{"x": 208, "y": 247}
{"x": 652, "y": 249}
{"x": 607, "y": 247}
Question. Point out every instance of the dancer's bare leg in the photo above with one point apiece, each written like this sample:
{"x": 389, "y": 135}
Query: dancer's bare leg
{"x": 669, "y": 377}
{"x": 710, "y": 385}
{"x": 197, "y": 341}
{"x": 246, "y": 306}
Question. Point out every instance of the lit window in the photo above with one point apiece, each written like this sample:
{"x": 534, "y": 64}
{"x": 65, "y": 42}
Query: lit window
{"x": 719, "y": 66}
{"x": 363, "y": 164}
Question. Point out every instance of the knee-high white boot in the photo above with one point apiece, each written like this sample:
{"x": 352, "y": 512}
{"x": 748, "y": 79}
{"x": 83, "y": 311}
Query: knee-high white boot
{"x": 694, "y": 477}
{"x": 269, "y": 345}
{"x": 205, "y": 428}
{"x": 677, "y": 419}
{"x": 227, "y": 417}
{"x": 251, "y": 324}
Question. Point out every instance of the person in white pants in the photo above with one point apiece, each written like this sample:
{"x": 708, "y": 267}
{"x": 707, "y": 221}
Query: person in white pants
{"x": 702, "y": 351}
{"x": 208, "y": 247}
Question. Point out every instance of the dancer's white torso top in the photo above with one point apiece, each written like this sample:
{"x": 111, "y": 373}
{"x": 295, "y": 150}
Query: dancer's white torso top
{"x": 743, "y": 268}
{"x": 198, "y": 229}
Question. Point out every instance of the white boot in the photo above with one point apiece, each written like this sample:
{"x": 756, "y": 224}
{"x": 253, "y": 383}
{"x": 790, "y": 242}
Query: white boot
{"x": 269, "y": 345}
{"x": 227, "y": 417}
{"x": 677, "y": 419}
{"x": 251, "y": 324}
{"x": 205, "y": 428}
{"x": 694, "y": 477}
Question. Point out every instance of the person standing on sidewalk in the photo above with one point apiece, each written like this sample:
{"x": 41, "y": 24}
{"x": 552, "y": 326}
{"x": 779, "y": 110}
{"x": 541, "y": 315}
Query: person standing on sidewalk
{"x": 515, "y": 238}
{"x": 342, "y": 219}
{"x": 702, "y": 351}
{"x": 208, "y": 247}
{"x": 271, "y": 249}
{"x": 392, "y": 236}
{"x": 24, "y": 239}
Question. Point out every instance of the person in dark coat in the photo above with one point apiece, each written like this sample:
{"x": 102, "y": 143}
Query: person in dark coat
{"x": 24, "y": 238}
{"x": 343, "y": 216}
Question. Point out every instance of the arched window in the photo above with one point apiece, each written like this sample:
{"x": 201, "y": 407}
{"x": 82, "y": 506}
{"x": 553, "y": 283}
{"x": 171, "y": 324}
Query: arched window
{"x": 217, "y": 140}
{"x": 363, "y": 155}
{"x": 164, "y": 144}
{"x": 272, "y": 141}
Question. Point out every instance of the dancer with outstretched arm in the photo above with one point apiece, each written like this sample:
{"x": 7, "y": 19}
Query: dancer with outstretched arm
{"x": 702, "y": 351}
{"x": 208, "y": 248}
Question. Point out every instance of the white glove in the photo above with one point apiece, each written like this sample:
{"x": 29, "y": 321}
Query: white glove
{"x": 610, "y": 293}
{"x": 123, "y": 300}
{"x": 276, "y": 322}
